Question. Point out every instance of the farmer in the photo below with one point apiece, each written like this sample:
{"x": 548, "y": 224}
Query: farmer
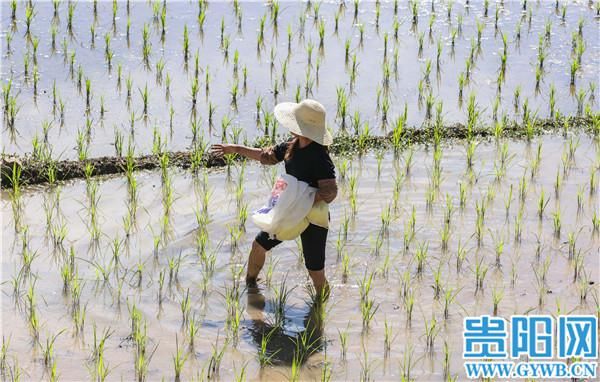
{"x": 306, "y": 157}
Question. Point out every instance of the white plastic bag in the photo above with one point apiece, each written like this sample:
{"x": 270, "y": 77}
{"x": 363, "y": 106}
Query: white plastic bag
{"x": 289, "y": 203}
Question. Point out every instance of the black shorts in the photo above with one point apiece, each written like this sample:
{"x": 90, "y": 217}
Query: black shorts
{"x": 314, "y": 240}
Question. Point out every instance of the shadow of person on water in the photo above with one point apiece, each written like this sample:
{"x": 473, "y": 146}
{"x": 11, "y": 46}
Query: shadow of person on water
{"x": 298, "y": 337}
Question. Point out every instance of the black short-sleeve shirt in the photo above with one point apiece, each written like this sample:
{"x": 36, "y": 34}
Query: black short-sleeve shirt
{"x": 308, "y": 164}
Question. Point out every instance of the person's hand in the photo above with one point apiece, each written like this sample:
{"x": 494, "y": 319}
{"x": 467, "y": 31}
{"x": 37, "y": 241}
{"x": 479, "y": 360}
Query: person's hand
{"x": 219, "y": 149}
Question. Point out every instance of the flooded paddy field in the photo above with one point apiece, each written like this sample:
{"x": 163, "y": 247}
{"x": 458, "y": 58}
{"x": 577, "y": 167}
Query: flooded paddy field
{"x": 91, "y": 79}
{"x": 141, "y": 276}
{"x": 515, "y": 233}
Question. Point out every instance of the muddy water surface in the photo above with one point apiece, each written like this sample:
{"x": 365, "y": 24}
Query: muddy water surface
{"x": 108, "y": 303}
{"x": 276, "y": 73}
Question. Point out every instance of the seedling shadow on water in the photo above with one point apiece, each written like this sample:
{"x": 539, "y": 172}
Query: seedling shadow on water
{"x": 287, "y": 342}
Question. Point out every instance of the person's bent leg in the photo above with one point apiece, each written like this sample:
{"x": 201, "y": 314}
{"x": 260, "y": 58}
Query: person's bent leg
{"x": 256, "y": 259}
{"x": 320, "y": 283}
{"x": 314, "y": 242}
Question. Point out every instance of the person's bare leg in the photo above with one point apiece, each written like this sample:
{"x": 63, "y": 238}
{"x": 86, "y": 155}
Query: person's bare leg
{"x": 320, "y": 282}
{"x": 256, "y": 260}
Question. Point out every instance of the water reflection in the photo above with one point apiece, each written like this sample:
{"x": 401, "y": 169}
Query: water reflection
{"x": 299, "y": 336}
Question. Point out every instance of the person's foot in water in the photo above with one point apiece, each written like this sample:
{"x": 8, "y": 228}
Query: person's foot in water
{"x": 320, "y": 295}
{"x": 252, "y": 284}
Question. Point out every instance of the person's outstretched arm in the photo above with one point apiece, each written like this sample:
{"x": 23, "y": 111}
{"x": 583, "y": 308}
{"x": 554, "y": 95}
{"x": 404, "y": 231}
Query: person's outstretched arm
{"x": 264, "y": 155}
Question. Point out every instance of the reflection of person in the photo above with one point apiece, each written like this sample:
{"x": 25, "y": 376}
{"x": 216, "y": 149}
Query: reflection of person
{"x": 283, "y": 344}
{"x": 306, "y": 157}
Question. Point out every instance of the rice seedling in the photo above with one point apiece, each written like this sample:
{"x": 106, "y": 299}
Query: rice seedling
{"x": 3, "y": 355}
{"x": 185, "y": 306}
{"x": 352, "y": 183}
{"x": 48, "y": 350}
{"x": 593, "y": 182}
{"x": 145, "y": 97}
{"x": 577, "y": 264}
{"x": 479, "y": 223}
{"x": 178, "y": 360}
{"x": 583, "y": 284}
{"x": 368, "y": 308}
{"x": 216, "y": 357}
{"x": 497, "y": 296}
{"x": 518, "y": 226}
{"x": 556, "y": 222}
{"x": 540, "y": 279}
{"x": 480, "y": 273}
{"x": 385, "y": 267}
{"x": 449, "y": 297}
{"x": 471, "y": 146}
{"x": 261, "y": 34}
{"x": 580, "y": 99}
{"x": 386, "y": 217}
{"x": 32, "y": 316}
{"x": 592, "y": 92}
{"x": 361, "y": 31}
{"x": 306, "y": 343}
{"x": 186, "y": 44}
{"x": 342, "y": 109}
{"x": 346, "y": 266}
{"x": 409, "y": 302}
{"x": 420, "y": 40}
{"x": 558, "y": 180}
{"x": 429, "y": 102}
{"x": 365, "y": 285}
{"x": 574, "y": 68}
{"x": 142, "y": 360}
{"x": 194, "y": 92}
{"x": 281, "y": 294}
{"x": 321, "y": 26}
{"x": 437, "y": 282}
{"x": 363, "y": 138}
{"x": 343, "y": 336}
{"x": 295, "y": 368}
{"x": 29, "y": 14}
{"x": 431, "y": 331}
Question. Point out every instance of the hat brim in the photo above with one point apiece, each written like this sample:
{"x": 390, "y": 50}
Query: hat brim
{"x": 285, "y": 113}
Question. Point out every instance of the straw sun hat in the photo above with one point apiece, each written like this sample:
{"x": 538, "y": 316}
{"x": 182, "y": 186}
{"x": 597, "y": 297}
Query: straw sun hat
{"x": 306, "y": 118}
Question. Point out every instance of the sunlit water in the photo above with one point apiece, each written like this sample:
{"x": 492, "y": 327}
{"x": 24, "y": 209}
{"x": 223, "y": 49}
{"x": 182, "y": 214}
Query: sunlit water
{"x": 158, "y": 242}
{"x": 108, "y": 308}
{"x": 265, "y": 67}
